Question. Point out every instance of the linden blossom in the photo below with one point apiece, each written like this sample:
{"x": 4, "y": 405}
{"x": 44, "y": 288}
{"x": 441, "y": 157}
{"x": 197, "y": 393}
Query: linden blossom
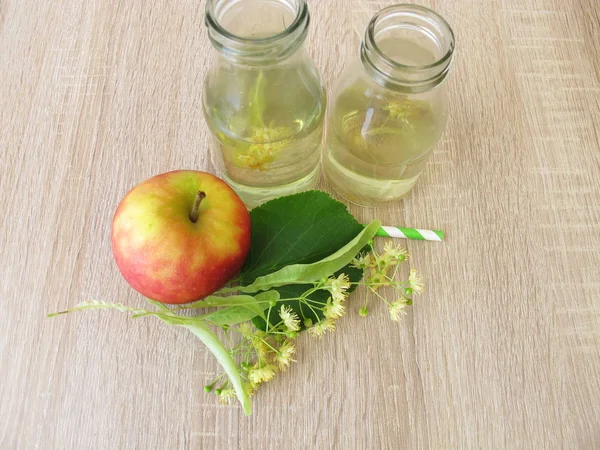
{"x": 266, "y": 145}
{"x": 260, "y": 327}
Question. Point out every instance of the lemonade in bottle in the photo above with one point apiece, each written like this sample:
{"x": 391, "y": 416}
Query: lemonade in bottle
{"x": 389, "y": 109}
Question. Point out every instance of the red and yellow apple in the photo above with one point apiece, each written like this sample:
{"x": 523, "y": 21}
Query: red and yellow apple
{"x": 180, "y": 236}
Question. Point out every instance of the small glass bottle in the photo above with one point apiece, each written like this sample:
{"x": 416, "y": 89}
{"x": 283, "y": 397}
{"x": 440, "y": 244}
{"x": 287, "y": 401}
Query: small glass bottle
{"x": 389, "y": 109}
{"x": 263, "y": 100}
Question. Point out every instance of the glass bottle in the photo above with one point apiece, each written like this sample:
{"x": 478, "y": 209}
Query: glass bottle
{"x": 263, "y": 100}
{"x": 389, "y": 109}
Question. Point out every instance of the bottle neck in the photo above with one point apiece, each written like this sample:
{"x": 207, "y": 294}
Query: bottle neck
{"x": 407, "y": 48}
{"x": 257, "y": 33}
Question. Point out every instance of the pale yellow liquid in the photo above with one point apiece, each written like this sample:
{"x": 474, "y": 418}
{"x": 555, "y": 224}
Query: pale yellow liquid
{"x": 270, "y": 145}
{"x": 378, "y": 144}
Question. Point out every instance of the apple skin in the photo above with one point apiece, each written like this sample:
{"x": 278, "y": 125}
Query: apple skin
{"x": 163, "y": 254}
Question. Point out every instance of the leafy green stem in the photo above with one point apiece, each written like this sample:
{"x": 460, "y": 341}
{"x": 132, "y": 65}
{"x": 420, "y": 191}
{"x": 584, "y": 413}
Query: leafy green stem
{"x": 304, "y": 302}
{"x": 215, "y": 345}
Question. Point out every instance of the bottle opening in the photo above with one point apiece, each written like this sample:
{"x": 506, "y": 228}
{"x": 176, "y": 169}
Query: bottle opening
{"x": 253, "y": 31}
{"x": 253, "y": 19}
{"x": 408, "y": 45}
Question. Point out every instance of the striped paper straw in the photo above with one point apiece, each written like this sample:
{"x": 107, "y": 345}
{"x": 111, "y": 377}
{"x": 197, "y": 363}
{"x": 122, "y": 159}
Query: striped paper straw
{"x": 410, "y": 233}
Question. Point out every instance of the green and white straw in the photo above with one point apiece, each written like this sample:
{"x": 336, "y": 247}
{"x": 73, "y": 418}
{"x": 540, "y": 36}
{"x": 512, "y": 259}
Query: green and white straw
{"x": 411, "y": 233}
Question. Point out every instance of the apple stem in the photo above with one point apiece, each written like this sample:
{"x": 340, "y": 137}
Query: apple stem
{"x": 196, "y": 208}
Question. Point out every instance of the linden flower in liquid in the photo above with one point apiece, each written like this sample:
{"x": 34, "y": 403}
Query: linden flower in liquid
{"x": 266, "y": 145}
{"x": 406, "y": 110}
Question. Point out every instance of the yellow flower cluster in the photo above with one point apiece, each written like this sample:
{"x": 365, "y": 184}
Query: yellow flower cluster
{"x": 377, "y": 267}
{"x": 407, "y": 111}
{"x": 261, "y": 372}
{"x": 273, "y": 352}
{"x": 290, "y": 319}
{"x": 334, "y": 308}
{"x": 284, "y": 355}
{"x": 397, "y": 309}
{"x": 266, "y": 144}
{"x": 264, "y": 353}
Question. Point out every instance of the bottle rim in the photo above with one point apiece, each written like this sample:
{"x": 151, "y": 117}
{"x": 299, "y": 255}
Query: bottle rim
{"x": 235, "y": 45}
{"x": 387, "y": 69}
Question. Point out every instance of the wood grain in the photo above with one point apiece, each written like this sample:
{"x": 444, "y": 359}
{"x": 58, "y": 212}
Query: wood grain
{"x": 502, "y": 352}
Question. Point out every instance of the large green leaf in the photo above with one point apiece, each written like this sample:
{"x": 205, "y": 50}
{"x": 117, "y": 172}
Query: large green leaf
{"x": 307, "y": 273}
{"x": 297, "y": 229}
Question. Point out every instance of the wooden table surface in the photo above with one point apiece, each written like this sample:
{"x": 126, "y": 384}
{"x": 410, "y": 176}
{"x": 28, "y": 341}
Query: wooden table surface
{"x": 503, "y": 351}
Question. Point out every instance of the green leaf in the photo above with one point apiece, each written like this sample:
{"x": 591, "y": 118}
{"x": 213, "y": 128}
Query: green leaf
{"x": 242, "y": 310}
{"x": 307, "y": 273}
{"x": 297, "y": 229}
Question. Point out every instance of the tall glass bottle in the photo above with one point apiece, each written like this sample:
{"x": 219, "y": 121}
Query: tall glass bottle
{"x": 263, "y": 100}
{"x": 389, "y": 109}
